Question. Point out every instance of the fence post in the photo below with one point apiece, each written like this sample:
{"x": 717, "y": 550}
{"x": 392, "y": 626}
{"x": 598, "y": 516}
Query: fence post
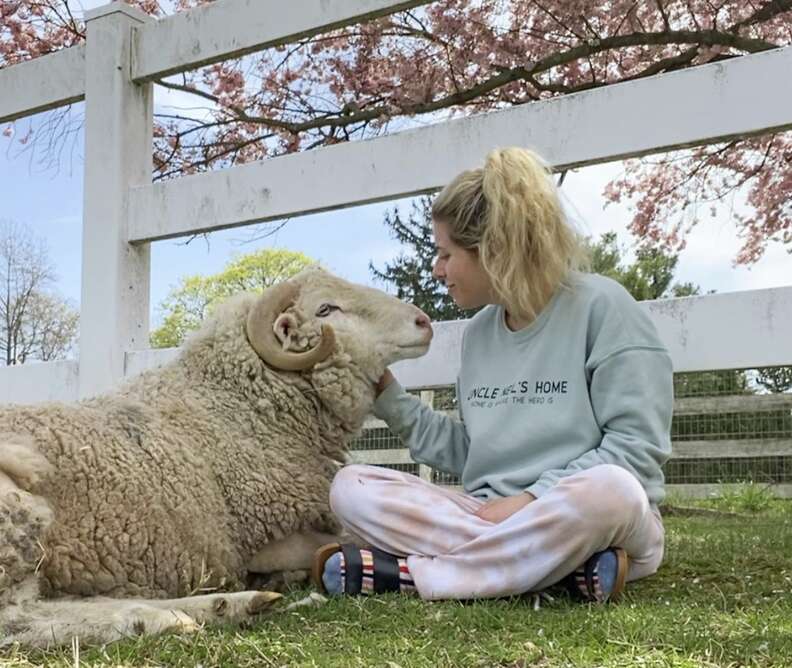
{"x": 118, "y": 146}
{"x": 424, "y": 471}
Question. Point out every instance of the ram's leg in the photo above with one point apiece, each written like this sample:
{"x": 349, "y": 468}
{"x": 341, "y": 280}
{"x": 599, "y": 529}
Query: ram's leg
{"x": 212, "y": 608}
{"x": 234, "y": 607}
{"x": 103, "y": 620}
{"x": 292, "y": 553}
{"x": 47, "y": 624}
{"x": 285, "y": 562}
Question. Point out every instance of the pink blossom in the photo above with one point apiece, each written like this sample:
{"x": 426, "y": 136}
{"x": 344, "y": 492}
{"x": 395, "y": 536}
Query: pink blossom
{"x": 419, "y": 66}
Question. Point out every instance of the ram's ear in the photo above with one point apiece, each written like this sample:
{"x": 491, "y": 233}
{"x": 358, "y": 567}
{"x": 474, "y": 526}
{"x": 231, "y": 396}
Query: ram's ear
{"x": 285, "y": 328}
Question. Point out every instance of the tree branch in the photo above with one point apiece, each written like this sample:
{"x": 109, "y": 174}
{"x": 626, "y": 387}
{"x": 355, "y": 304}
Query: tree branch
{"x": 766, "y": 12}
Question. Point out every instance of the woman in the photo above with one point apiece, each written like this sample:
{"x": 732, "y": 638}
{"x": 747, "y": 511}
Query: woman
{"x": 565, "y": 392}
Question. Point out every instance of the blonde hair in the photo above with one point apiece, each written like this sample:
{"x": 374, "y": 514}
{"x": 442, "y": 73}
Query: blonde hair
{"x": 509, "y": 211}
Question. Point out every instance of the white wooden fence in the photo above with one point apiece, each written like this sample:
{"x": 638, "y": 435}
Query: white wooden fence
{"x": 126, "y": 50}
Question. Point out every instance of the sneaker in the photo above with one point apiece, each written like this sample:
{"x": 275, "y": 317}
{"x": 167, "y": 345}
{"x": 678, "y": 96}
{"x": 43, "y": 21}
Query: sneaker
{"x": 602, "y": 577}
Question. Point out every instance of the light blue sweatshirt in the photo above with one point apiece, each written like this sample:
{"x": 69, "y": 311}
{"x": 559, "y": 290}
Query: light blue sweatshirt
{"x": 587, "y": 383}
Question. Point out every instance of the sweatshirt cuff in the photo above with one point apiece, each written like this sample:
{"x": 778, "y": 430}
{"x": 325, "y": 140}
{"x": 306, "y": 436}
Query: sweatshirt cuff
{"x": 386, "y": 404}
{"x": 541, "y": 486}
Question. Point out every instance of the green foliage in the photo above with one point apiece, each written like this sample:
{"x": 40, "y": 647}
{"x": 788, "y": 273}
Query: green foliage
{"x": 775, "y": 379}
{"x": 193, "y": 300}
{"x": 649, "y": 277}
{"x": 750, "y": 497}
{"x": 411, "y": 272}
{"x": 711, "y": 383}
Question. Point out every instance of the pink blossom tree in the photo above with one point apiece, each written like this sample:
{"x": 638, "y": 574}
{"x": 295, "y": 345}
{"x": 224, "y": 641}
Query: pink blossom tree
{"x": 456, "y": 57}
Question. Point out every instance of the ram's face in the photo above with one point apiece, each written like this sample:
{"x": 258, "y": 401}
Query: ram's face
{"x": 368, "y": 323}
{"x": 318, "y": 314}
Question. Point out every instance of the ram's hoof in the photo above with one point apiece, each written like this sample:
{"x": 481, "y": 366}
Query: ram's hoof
{"x": 262, "y": 601}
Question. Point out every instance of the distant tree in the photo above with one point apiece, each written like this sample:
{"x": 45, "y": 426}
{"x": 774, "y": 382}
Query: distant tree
{"x": 650, "y": 276}
{"x": 35, "y": 323}
{"x": 50, "y": 332}
{"x": 411, "y": 272}
{"x": 188, "y": 304}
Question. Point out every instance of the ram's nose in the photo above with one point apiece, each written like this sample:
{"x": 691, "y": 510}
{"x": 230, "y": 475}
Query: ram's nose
{"x": 423, "y": 323}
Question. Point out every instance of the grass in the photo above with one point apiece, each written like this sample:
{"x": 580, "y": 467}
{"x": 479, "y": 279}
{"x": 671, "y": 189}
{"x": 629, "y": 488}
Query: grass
{"x": 722, "y": 598}
{"x": 749, "y": 497}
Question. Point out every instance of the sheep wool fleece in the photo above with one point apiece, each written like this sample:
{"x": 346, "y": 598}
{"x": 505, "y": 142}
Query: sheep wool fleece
{"x": 131, "y": 477}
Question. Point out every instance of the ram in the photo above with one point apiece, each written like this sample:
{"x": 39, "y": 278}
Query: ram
{"x": 193, "y": 474}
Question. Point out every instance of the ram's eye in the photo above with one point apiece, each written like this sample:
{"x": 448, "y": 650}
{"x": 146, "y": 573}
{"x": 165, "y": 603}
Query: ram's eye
{"x": 326, "y": 309}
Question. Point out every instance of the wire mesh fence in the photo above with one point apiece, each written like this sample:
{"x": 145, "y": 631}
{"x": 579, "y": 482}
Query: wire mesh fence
{"x": 377, "y": 438}
{"x": 731, "y": 426}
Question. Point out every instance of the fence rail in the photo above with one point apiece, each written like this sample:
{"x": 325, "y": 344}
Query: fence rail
{"x": 228, "y": 29}
{"x": 45, "y": 83}
{"x": 732, "y": 404}
{"x": 570, "y": 131}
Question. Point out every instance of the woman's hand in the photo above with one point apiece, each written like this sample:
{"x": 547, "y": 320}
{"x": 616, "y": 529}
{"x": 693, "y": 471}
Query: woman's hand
{"x": 497, "y": 510}
{"x": 385, "y": 380}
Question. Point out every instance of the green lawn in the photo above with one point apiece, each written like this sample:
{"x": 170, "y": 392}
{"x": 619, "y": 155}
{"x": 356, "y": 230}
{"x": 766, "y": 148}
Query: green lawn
{"x": 722, "y": 598}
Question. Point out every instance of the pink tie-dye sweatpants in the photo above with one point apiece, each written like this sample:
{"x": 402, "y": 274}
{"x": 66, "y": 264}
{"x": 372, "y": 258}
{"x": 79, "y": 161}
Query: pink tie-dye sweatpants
{"x": 453, "y": 554}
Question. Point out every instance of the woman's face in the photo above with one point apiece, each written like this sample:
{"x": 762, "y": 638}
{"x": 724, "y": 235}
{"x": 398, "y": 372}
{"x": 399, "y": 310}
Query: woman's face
{"x": 461, "y": 271}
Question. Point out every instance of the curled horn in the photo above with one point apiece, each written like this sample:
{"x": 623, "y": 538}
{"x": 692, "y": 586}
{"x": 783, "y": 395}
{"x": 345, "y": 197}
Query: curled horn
{"x": 261, "y": 336}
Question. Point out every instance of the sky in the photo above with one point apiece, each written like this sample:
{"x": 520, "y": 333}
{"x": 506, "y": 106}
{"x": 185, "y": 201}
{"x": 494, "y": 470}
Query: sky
{"x": 49, "y": 202}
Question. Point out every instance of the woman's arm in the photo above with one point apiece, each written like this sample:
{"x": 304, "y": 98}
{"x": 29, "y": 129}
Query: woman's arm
{"x": 434, "y": 439}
